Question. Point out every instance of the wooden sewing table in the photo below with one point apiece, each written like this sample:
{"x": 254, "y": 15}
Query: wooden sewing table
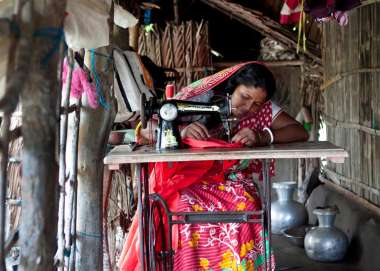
{"x": 141, "y": 156}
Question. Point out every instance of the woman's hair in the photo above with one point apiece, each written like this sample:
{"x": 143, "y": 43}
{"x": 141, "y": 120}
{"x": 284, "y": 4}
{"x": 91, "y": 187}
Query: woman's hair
{"x": 253, "y": 75}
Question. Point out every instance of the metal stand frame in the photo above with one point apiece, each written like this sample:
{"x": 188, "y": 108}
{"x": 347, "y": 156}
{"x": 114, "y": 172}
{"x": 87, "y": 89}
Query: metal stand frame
{"x": 147, "y": 203}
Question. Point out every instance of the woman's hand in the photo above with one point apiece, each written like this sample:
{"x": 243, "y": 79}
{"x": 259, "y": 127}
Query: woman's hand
{"x": 195, "y": 130}
{"x": 247, "y": 137}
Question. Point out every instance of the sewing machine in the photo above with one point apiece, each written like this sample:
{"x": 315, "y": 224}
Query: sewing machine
{"x": 169, "y": 111}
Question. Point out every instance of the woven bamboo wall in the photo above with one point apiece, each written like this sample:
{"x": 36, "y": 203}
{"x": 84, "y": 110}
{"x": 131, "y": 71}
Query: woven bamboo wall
{"x": 184, "y": 47}
{"x": 352, "y": 99}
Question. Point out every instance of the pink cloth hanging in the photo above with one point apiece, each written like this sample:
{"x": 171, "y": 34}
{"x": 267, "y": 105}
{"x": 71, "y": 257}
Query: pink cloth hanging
{"x": 80, "y": 84}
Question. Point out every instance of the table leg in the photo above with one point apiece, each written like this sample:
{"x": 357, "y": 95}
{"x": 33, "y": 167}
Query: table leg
{"x": 146, "y": 208}
{"x": 140, "y": 214}
{"x": 267, "y": 198}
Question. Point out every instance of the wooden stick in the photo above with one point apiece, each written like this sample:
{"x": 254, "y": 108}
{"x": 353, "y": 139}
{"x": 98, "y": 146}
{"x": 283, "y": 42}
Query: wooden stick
{"x": 340, "y": 178}
{"x": 330, "y": 121}
{"x": 351, "y": 196}
{"x": 62, "y": 161}
{"x": 5, "y": 124}
{"x": 73, "y": 181}
{"x": 12, "y": 240}
{"x": 266, "y": 63}
{"x": 339, "y": 76}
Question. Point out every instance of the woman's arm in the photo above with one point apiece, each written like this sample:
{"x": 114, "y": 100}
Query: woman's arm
{"x": 286, "y": 129}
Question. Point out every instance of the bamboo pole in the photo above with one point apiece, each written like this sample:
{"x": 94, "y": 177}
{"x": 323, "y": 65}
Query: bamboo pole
{"x": 40, "y": 172}
{"x": 62, "y": 162}
{"x": 73, "y": 182}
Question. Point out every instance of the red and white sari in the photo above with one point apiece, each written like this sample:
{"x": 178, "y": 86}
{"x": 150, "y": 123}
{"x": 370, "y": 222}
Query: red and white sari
{"x": 211, "y": 186}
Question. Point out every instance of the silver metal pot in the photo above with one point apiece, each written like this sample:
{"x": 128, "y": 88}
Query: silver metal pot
{"x": 326, "y": 243}
{"x": 285, "y": 212}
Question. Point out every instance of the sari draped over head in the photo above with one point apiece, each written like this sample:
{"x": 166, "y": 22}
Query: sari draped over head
{"x": 174, "y": 180}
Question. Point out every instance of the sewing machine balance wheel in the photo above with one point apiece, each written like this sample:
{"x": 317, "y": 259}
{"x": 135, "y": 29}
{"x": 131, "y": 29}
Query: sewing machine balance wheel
{"x": 143, "y": 116}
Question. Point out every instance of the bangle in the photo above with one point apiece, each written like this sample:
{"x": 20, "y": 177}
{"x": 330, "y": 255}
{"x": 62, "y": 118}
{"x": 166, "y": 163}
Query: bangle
{"x": 270, "y": 134}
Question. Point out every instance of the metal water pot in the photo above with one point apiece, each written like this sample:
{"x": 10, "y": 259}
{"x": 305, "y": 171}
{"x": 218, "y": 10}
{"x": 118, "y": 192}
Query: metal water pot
{"x": 285, "y": 212}
{"x": 326, "y": 243}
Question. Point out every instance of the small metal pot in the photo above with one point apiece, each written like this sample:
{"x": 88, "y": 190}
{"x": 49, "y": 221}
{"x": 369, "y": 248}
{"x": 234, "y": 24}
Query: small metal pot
{"x": 326, "y": 243}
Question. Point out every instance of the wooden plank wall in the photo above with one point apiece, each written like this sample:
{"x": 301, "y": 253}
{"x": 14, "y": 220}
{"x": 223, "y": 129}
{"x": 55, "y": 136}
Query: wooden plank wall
{"x": 352, "y": 104}
{"x": 288, "y": 82}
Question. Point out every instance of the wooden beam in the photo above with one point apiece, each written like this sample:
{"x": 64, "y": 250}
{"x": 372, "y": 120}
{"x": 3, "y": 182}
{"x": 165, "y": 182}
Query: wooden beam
{"x": 285, "y": 63}
{"x": 264, "y": 25}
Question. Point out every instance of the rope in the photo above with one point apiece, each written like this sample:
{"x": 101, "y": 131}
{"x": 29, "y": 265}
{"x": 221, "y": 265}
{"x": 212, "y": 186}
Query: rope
{"x": 55, "y": 35}
{"x": 301, "y": 30}
{"x": 89, "y": 235}
{"x": 102, "y": 100}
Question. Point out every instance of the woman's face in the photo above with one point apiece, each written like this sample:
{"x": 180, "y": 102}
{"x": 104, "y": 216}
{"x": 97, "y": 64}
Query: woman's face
{"x": 247, "y": 99}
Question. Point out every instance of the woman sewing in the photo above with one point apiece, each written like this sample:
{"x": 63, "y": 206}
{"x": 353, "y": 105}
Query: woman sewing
{"x": 214, "y": 186}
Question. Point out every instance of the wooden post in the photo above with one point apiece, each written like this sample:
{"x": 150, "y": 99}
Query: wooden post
{"x": 176, "y": 13}
{"x": 134, "y": 37}
{"x": 4, "y": 145}
{"x": 40, "y": 124}
{"x": 95, "y": 126}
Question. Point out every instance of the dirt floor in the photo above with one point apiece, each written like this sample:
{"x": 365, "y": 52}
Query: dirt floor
{"x": 290, "y": 257}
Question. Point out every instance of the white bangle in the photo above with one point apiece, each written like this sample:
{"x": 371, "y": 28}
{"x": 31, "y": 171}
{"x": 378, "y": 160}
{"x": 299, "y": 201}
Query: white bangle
{"x": 270, "y": 134}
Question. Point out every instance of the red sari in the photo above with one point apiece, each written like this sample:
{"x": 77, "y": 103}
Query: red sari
{"x": 210, "y": 186}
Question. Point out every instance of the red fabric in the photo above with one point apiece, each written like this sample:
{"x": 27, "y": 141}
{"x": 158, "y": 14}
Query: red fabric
{"x": 290, "y": 12}
{"x": 209, "y": 143}
{"x": 290, "y": 19}
{"x": 205, "y": 84}
{"x": 292, "y": 4}
{"x": 167, "y": 179}
{"x": 220, "y": 246}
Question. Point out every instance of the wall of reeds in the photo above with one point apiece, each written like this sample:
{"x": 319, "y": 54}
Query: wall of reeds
{"x": 351, "y": 57}
{"x": 184, "y": 47}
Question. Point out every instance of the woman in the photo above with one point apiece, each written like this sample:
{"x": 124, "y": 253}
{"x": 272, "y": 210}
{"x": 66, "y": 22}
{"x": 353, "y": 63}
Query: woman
{"x": 222, "y": 187}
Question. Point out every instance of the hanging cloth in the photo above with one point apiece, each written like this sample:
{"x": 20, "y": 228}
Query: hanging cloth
{"x": 325, "y": 8}
{"x": 290, "y": 12}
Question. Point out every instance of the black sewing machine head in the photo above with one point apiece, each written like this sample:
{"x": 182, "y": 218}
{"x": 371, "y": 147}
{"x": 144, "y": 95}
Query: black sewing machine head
{"x": 169, "y": 111}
